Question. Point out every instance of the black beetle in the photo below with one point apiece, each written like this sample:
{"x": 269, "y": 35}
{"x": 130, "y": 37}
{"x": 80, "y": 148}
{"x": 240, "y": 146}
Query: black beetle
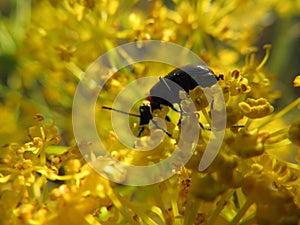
{"x": 166, "y": 90}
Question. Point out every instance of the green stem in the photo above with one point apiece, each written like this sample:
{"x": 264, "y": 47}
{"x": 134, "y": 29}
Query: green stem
{"x": 279, "y": 132}
{"x": 192, "y": 207}
{"x": 220, "y": 207}
{"x": 281, "y": 113}
{"x": 277, "y": 145}
{"x": 249, "y": 221}
{"x": 241, "y": 213}
{"x": 159, "y": 201}
{"x": 121, "y": 206}
{"x": 170, "y": 188}
{"x": 191, "y": 211}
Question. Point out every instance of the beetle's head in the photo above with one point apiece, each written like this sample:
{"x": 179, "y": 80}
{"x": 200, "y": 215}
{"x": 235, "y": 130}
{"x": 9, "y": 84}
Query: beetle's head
{"x": 145, "y": 112}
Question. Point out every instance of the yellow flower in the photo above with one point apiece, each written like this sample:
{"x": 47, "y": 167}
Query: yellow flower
{"x": 297, "y": 81}
{"x": 246, "y": 183}
{"x": 248, "y": 143}
{"x": 294, "y": 132}
{"x": 206, "y": 187}
{"x": 198, "y": 97}
{"x": 256, "y": 108}
{"x": 262, "y": 190}
{"x": 238, "y": 84}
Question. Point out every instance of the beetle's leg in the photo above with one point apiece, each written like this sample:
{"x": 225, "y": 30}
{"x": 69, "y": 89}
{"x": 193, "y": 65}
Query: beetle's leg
{"x": 201, "y": 125}
{"x": 168, "y": 118}
{"x": 141, "y": 131}
{"x": 180, "y": 113}
{"x": 219, "y": 77}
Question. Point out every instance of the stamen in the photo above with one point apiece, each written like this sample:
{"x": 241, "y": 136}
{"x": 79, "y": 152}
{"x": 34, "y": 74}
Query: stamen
{"x": 264, "y": 60}
{"x": 279, "y": 132}
{"x": 277, "y": 145}
{"x": 252, "y": 58}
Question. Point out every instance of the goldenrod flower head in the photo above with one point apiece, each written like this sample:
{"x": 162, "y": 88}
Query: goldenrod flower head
{"x": 238, "y": 84}
{"x": 248, "y": 143}
{"x": 42, "y": 181}
{"x": 256, "y": 108}
{"x": 282, "y": 210}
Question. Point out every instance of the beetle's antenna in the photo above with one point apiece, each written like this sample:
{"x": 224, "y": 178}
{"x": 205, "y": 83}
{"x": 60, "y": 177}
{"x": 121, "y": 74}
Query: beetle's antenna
{"x": 131, "y": 114}
{"x": 120, "y": 111}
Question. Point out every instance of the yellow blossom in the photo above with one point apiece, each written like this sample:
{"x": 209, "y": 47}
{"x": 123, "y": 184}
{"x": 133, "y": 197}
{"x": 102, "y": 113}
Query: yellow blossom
{"x": 294, "y": 132}
{"x": 44, "y": 178}
{"x": 256, "y": 108}
{"x": 198, "y": 97}
{"x": 297, "y": 81}
{"x": 248, "y": 143}
{"x": 238, "y": 84}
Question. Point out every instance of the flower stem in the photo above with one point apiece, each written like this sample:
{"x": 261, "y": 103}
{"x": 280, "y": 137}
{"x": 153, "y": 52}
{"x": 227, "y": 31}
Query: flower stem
{"x": 279, "y": 132}
{"x": 176, "y": 215}
{"x": 121, "y": 206}
{"x": 192, "y": 206}
{"x": 281, "y": 113}
{"x": 241, "y": 213}
{"x": 265, "y": 59}
{"x": 191, "y": 211}
{"x": 277, "y": 145}
{"x": 219, "y": 207}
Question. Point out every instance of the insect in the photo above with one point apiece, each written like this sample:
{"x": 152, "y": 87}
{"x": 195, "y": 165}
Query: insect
{"x": 166, "y": 91}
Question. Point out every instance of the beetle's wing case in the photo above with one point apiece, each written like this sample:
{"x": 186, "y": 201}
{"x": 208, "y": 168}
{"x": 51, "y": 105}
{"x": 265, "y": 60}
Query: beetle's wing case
{"x": 186, "y": 78}
{"x": 165, "y": 92}
{"x": 194, "y": 76}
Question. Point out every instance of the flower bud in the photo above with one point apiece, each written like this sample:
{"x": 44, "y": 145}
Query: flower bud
{"x": 256, "y": 108}
{"x": 205, "y": 187}
{"x": 294, "y": 132}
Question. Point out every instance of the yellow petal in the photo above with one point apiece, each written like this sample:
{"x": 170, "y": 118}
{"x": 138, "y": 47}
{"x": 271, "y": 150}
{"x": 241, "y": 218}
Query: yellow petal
{"x": 297, "y": 81}
{"x": 4, "y": 179}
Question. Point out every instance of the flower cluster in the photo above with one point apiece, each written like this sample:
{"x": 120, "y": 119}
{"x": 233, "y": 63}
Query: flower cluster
{"x": 254, "y": 179}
